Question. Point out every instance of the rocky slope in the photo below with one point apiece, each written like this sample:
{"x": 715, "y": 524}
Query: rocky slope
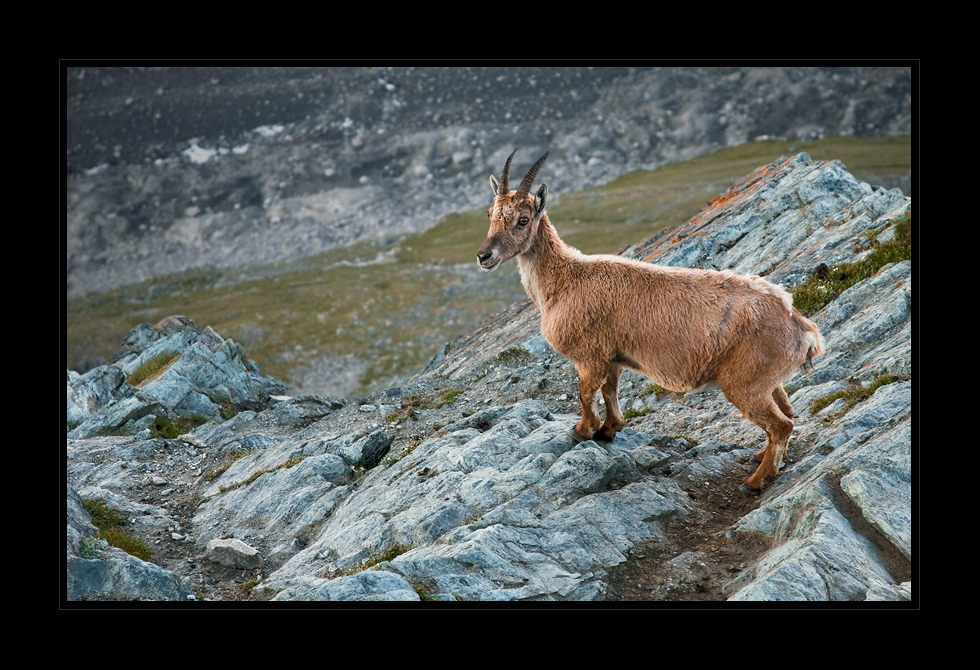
{"x": 463, "y": 484}
{"x": 173, "y": 168}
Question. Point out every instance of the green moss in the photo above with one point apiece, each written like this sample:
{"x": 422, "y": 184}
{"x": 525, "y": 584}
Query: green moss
{"x": 244, "y": 590}
{"x": 817, "y": 291}
{"x": 164, "y": 428}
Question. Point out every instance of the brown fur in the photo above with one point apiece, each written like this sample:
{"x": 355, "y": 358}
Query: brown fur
{"x": 682, "y": 328}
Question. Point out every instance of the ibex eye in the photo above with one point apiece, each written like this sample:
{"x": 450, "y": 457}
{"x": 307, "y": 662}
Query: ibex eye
{"x": 522, "y": 221}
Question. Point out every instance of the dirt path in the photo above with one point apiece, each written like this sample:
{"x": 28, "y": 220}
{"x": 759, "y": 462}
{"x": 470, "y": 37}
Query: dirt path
{"x": 699, "y": 554}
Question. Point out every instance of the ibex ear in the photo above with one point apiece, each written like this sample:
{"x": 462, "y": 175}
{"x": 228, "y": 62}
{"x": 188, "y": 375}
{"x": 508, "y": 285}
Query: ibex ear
{"x": 494, "y": 185}
{"x": 540, "y": 200}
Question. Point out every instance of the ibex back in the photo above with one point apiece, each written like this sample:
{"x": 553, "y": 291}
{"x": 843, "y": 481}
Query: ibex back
{"x": 682, "y": 328}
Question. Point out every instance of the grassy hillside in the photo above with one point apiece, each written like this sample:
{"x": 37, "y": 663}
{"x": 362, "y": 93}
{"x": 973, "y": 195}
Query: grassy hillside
{"x": 380, "y": 313}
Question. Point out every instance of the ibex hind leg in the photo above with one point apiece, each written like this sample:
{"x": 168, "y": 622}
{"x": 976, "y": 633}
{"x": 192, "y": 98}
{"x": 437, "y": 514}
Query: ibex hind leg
{"x": 763, "y": 409}
{"x": 782, "y": 401}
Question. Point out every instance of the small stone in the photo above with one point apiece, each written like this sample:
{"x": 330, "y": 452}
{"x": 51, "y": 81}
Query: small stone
{"x": 234, "y": 553}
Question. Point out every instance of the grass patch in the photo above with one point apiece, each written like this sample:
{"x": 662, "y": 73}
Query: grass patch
{"x": 660, "y": 392}
{"x": 449, "y": 396}
{"x": 150, "y": 367}
{"x": 392, "y": 458}
{"x": 102, "y": 515}
{"x": 258, "y": 473}
{"x": 109, "y": 524}
{"x": 244, "y": 590}
{"x": 219, "y": 469}
{"x": 633, "y": 413}
{"x": 120, "y": 539}
{"x": 851, "y": 397}
{"x": 389, "y": 555}
{"x": 425, "y": 593}
{"x": 166, "y": 428}
{"x": 226, "y": 408}
{"x": 407, "y": 408}
{"x": 817, "y": 291}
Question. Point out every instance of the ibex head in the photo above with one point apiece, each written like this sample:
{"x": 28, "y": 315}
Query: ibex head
{"x": 514, "y": 217}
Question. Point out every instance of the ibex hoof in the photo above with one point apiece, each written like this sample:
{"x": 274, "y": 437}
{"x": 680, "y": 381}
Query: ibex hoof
{"x": 745, "y": 488}
{"x": 575, "y": 436}
{"x": 605, "y": 435}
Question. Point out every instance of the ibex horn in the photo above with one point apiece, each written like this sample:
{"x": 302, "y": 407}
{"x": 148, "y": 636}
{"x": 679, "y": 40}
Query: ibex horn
{"x": 528, "y": 182}
{"x": 505, "y": 175}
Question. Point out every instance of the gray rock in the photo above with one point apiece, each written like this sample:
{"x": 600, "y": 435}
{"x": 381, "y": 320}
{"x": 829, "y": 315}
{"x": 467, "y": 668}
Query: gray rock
{"x": 503, "y": 504}
{"x": 364, "y": 586}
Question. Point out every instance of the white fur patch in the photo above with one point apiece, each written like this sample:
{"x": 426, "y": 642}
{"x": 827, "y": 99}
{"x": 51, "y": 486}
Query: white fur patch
{"x": 815, "y": 342}
{"x": 769, "y": 288}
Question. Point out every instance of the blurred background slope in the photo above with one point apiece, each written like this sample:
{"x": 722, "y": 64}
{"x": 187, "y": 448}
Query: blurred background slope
{"x": 326, "y": 217}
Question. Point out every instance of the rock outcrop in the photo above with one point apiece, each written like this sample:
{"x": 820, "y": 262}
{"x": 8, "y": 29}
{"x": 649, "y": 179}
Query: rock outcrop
{"x": 463, "y": 483}
{"x": 191, "y": 371}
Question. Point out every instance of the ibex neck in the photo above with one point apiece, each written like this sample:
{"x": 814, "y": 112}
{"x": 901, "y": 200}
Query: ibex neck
{"x": 545, "y": 267}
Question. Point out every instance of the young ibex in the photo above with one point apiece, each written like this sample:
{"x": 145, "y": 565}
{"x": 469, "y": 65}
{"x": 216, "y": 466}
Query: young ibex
{"x": 684, "y": 329}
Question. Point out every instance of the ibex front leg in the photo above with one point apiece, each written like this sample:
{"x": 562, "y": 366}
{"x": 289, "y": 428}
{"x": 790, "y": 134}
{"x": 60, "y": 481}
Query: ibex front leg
{"x": 610, "y": 394}
{"x": 590, "y": 378}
